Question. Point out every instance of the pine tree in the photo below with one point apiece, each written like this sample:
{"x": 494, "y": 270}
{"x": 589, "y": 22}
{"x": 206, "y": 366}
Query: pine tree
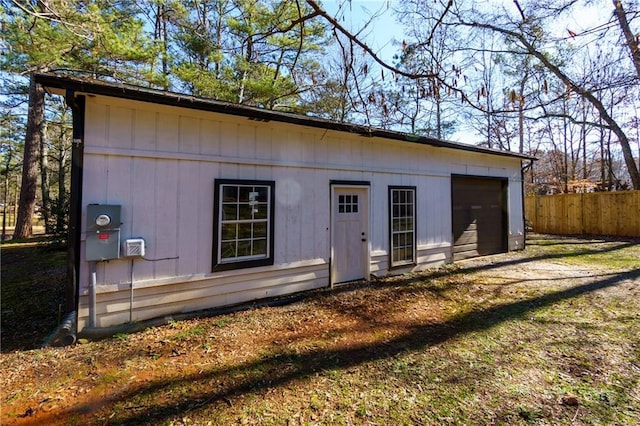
{"x": 102, "y": 38}
{"x": 251, "y": 52}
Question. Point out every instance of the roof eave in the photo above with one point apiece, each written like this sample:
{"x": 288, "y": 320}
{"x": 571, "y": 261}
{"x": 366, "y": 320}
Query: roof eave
{"x": 123, "y": 91}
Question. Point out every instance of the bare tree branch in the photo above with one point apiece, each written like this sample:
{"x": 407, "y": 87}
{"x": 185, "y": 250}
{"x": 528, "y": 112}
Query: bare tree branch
{"x": 520, "y": 10}
{"x": 570, "y": 118}
{"x": 365, "y": 47}
{"x": 632, "y": 42}
{"x": 283, "y": 30}
{"x": 577, "y": 88}
{"x": 438, "y": 22}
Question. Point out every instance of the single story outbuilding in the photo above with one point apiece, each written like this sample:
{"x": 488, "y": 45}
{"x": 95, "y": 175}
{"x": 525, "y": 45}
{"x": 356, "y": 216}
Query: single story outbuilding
{"x": 181, "y": 203}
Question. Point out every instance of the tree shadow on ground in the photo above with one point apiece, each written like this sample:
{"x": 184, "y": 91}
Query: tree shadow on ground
{"x": 465, "y": 267}
{"x": 558, "y": 240}
{"x": 287, "y": 366}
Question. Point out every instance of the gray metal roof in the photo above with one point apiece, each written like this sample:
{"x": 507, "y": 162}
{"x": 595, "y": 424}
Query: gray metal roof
{"x": 138, "y": 93}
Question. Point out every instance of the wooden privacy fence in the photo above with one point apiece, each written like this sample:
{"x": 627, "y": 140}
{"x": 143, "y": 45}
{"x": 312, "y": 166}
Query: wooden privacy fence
{"x": 595, "y": 213}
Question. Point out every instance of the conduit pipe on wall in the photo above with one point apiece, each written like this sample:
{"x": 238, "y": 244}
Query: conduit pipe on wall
{"x": 131, "y": 295}
{"x": 92, "y": 295}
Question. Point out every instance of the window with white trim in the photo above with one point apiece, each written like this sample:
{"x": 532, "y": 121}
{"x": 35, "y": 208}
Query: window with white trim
{"x": 243, "y": 223}
{"x": 402, "y": 212}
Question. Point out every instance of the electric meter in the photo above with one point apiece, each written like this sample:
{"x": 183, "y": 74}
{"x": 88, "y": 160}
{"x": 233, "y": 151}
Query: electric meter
{"x": 103, "y": 220}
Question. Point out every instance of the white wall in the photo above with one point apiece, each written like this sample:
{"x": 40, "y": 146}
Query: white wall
{"x": 160, "y": 164}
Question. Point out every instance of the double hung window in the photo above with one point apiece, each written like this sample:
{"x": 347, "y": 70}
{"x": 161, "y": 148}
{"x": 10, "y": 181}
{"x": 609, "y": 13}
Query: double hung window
{"x": 243, "y": 224}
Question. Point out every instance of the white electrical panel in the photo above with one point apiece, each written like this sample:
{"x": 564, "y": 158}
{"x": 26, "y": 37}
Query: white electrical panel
{"x": 134, "y": 247}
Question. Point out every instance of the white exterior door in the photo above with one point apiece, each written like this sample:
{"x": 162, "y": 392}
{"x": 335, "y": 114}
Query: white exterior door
{"x": 350, "y": 239}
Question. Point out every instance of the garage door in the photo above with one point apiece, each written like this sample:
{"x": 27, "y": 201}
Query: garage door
{"x": 479, "y": 216}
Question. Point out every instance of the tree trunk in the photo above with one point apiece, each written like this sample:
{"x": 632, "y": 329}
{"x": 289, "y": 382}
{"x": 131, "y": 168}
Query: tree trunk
{"x": 631, "y": 40}
{"x": 245, "y": 74}
{"x": 609, "y": 163}
{"x": 44, "y": 185}
{"x": 62, "y": 193}
{"x": 6, "y": 194}
{"x": 602, "y": 161}
{"x": 438, "y": 117}
{"x": 565, "y": 154}
{"x": 523, "y": 83}
{"x": 27, "y": 203}
{"x": 583, "y": 137}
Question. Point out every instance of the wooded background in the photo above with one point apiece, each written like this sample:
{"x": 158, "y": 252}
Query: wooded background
{"x": 554, "y": 79}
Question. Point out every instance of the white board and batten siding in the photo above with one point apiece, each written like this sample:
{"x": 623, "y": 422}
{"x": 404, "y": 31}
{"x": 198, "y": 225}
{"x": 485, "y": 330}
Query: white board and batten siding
{"x": 160, "y": 163}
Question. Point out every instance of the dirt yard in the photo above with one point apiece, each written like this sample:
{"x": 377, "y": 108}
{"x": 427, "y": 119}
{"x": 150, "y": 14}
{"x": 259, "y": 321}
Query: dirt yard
{"x": 544, "y": 336}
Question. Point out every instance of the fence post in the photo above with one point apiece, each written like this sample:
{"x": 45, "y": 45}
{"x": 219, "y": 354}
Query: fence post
{"x": 583, "y": 229}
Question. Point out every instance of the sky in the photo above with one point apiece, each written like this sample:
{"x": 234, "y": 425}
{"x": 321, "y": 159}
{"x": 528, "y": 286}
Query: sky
{"x": 385, "y": 33}
{"x": 381, "y": 35}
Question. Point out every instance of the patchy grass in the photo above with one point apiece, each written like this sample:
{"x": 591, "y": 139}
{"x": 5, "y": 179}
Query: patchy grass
{"x": 590, "y": 251}
{"x": 546, "y": 336}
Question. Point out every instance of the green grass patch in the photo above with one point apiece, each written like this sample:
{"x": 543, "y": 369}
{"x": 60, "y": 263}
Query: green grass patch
{"x": 189, "y": 333}
{"x": 604, "y": 253}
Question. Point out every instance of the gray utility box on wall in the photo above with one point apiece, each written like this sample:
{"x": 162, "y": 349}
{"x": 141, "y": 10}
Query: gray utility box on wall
{"x": 103, "y": 232}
